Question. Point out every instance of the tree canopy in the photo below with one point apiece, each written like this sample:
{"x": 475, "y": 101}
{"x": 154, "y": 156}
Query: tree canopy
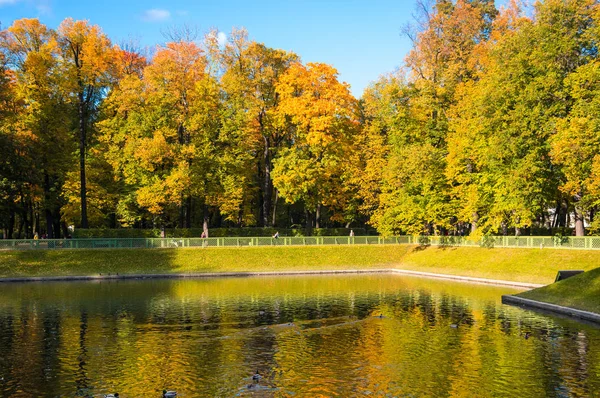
{"x": 490, "y": 127}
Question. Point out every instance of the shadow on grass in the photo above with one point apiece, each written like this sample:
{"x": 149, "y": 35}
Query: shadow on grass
{"x": 64, "y": 262}
{"x": 421, "y": 248}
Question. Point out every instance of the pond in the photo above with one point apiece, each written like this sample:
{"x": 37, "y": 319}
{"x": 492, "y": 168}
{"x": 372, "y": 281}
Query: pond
{"x": 307, "y": 336}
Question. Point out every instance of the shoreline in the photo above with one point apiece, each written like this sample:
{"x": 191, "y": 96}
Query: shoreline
{"x": 553, "y": 308}
{"x": 519, "y": 268}
{"x": 506, "y": 299}
{"x": 241, "y": 274}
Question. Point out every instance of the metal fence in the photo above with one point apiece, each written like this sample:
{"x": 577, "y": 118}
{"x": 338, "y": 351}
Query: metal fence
{"x": 588, "y": 242}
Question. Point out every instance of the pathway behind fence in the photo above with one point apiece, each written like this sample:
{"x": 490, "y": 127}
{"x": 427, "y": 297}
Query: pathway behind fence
{"x": 587, "y": 242}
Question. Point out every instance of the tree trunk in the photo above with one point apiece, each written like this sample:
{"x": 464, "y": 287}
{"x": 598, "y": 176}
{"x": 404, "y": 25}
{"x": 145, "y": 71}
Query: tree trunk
{"x": 188, "y": 212}
{"x": 267, "y": 184}
{"x": 65, "y": 229}
{"x": 474, "y": 221}
{"x": 35, "y": 220}
{"x": 240, "y": 221}
{"x": 579, "y": 227}
{"x": 556, "y": 216}
{"x": 318, "y": 217}
{"x": 562, "y": 210}
{"x": 22, "y": 226}
{"x": 34, "y": 226}
{"x": 275, "y": 208}
{"x": 309, "y": 223}
{"x": 57, "y": 221}
{"x": 205, "y": 220}
{"x": 47, "y": 207}
{"x": 11, "y": 225}
{"x": 82, "y": 144}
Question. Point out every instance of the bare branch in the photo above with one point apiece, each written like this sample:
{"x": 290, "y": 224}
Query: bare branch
{"x": 181, "y": 33}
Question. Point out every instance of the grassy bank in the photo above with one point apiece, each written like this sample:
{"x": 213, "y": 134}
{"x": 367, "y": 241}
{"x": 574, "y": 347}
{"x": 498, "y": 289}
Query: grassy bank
{"x": 581, "y": 292}
{"x": 522, "y": 265}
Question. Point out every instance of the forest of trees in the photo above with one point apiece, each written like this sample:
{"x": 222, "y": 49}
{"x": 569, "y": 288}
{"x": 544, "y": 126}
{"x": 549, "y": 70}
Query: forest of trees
{"x": 491, "y": 126}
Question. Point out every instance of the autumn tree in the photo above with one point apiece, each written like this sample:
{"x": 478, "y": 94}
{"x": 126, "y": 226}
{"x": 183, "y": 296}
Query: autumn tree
{"x": 86, "y": 60}
{"x": 251, "y": 72}
{"x": 499, "y": 158}
{"x": 160, "y": 131}
{"x": 381, "y": 111}
{"x": 575, "y": 146}
{"x": 32, "y": 50}
{"x": 11, "y": 165}
{"x": 416, "y": 195}
{"x": 324, "y": 114}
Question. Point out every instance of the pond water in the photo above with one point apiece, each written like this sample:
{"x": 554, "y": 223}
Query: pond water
{"x": 308, "y": 336}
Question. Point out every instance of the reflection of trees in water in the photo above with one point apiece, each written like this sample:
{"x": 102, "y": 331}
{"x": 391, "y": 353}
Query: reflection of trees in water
{"x": 139, "y": 340}
{"x": 51, "y": 333}
{"x": 7, "y": 340}
{"x": 556, "y": 355}
{"x": 433, "y": 309}
{"x": 82, "y": 380}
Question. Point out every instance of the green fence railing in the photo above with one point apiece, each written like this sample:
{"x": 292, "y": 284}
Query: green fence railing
{"x": 587, "y": 242}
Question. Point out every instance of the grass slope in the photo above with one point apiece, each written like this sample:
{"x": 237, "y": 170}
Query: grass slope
{"x": 581, "y": 292}
{"x": 522, "y": 265}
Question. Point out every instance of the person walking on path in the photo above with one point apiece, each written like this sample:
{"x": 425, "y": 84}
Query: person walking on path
{"x": 204, "y": 235}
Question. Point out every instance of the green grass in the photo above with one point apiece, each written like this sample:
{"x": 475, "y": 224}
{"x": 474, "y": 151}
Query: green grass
{"x": 581, "y": 292}
{"x": 133, "y": 261}
{"x": 522, "y": 265}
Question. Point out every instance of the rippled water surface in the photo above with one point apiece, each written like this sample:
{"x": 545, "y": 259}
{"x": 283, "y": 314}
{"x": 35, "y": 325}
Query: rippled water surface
{"x": 308, "y": 336}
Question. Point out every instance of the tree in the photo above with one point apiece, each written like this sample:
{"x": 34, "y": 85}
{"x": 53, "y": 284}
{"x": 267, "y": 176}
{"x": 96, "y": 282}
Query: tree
{"x": 499, "y": 157}
{"x": 11, "y": 163}
{"x": 86, "y": 58}
{"x": 576, "y": 144}
{"x": 415, "y": 192}
{"x": 324, "y": 116}
{"x": 32, "y": 51}
{"x": 160, "y": 131}
{"x": 251, "y": 72}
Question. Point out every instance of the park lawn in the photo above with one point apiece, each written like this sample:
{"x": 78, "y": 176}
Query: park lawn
{"x": 581, "y": 292}
{"x": 183, "y": 260}
{"x": 520, "y": 265}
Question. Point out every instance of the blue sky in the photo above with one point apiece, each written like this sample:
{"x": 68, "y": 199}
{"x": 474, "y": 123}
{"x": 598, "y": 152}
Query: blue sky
{"x": 361, "y": 38}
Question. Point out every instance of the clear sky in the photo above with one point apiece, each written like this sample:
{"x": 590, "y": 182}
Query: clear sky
{"x": 361, "y": 38}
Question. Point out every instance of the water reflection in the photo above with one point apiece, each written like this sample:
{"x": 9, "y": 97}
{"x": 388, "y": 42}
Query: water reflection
{"x": 378, "y": 335}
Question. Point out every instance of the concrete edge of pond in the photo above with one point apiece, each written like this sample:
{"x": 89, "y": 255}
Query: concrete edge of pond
{"x": 557, "y": 309}
{"x": 265, "y": 273}
{"x": 186, "y": 275}
{"x": 468, "y": 279}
